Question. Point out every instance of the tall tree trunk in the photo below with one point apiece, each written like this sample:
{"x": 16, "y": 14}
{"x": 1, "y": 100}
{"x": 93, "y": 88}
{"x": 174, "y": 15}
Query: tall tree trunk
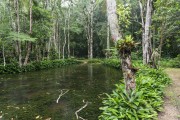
{"x": 59, "y": 41}
{"x": 54, "y": 36}
{"x": 48, "y": 48}
{"x": 146, "y": 36}
{"x": 18, "y": 43}
{"x": 69, "y": 15}
{"x": 30, "y": 32}
{"x": 88, "y": 36}
{"x": 113, "y": 20}
{"x": 128, "y": 71}
{"x": 107, "y": 52}
{"x": 91, "y": 29}
{"x": 64, "y": 45}
{"x": 4, "y": 58}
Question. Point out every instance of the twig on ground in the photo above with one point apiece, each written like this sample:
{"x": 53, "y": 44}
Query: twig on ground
{"x": 76, "y": 113}
{"x": 62, "y": 93}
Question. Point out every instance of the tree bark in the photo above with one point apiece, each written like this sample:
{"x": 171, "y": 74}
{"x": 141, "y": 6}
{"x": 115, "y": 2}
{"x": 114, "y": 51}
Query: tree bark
{"x": 64, "y": 45}
{"x": 69, "y": 15}
{"x": 18, "y": 43}
{"x": 91, "y": 29}
{"x": 4, "y": 58}
{"x": 128, "y": 70}
{"x": 107, "y": 52}
{"x": 30, "y": 32}
{"x": 113, "y": 20}
{"x": 146, "y": 36}
{"x": 125, "y": 54}
{"x": 59, "y": 41}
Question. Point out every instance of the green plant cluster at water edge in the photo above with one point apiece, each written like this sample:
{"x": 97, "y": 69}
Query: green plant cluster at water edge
{"x": 34, "y": 66}
{"x": 140, "y": 104}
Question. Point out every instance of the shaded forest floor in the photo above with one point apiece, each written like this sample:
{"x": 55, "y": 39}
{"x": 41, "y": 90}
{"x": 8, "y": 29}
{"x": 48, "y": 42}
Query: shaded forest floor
{"x": 172, "y": 97}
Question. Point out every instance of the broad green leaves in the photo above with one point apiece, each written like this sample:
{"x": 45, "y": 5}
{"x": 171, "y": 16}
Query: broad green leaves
{"x": 124, "y": 12}
{"x": 20, "y": 37}
{"x": 141, "y": 104}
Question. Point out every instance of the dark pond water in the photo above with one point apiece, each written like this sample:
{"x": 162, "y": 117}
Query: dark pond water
{"x": 33, "y": 95}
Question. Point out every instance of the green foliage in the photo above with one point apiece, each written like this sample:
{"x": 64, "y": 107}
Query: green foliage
{"x": 111, "y": 53}
{"x": 115, "y": 63}
{"x": 95, "y": 61}
{"x": 166, "y": 22}
{"x": 141, "y": 104}
{"x": 42, "y": 23}
{"x": 124, "y": 12}
{"x": 20, "y": 37}
{"x": 34, "y": 66}
{"x": 171, "y": 63}
{"x": 176, "y": 62}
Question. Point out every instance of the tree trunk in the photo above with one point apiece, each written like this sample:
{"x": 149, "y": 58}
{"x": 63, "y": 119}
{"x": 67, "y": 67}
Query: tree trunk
{"x": 88, "y": 34}
{"x": 64, "y": 45}
{"x": 30, "y": 32}
{"x": 54, "y": 36}
{"x": 128, "y": 70}
{"x": 69, "y": 15}
{"x": 4, "y": 58}
{"x": 113, "y": 20}
{"x": 125, "y": 54}
{"x": 146, "y": 36}
{"x": 91, "y": 29}
{"x": 18, "y": 43}
{"x": 107, "y": 52}
{"x": 48, "y": 48}
{"x": 59, "y": 41}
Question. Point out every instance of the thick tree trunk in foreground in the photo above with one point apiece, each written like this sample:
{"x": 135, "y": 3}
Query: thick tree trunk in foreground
{"x": 128, "y": 70}
{"x": 125, "y": 54}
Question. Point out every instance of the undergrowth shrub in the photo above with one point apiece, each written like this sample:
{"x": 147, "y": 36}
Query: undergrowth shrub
{"x": 34, "y": 66}
{"x": 115, "y": 63}
{"x": 141, "y": 104}
{"x": 175, "y": 63}
{"x": 95, "y": 61}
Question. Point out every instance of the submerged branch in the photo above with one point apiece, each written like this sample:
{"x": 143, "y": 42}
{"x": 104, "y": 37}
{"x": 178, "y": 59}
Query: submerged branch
{"x": 76, "y": 113}
{"x": 62, "y": 93}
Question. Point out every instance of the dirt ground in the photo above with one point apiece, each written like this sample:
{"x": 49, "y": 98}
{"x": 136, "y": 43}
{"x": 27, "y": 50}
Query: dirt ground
{"x": 172, "y": 97}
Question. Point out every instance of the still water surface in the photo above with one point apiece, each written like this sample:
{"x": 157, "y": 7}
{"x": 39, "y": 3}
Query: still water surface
{"x": 33, "y": 95}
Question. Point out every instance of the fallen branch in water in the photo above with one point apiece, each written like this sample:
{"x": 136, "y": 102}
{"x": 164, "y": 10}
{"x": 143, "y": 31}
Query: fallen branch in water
{"x": 62, "y": 93}
{"x": 76, "y": 113}
{"x": 1, "y": 114}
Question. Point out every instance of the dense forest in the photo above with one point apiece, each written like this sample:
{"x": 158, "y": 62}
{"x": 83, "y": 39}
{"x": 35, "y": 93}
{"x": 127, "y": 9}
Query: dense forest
{"x": 35, "y": 30}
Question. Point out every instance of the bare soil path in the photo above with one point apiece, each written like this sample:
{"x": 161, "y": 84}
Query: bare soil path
{"x": 172, "y": 97}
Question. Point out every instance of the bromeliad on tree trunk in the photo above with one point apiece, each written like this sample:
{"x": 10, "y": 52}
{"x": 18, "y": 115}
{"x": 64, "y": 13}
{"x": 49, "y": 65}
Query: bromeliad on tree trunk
{"x": 124, "y": 47}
